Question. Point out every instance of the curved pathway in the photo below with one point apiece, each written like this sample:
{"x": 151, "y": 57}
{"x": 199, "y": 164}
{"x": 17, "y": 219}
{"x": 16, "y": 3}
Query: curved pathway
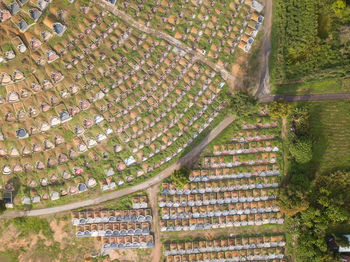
{"x": 142, "y": 186}
{"x": 300, "y": 98}
{"x": 126, "y": 18}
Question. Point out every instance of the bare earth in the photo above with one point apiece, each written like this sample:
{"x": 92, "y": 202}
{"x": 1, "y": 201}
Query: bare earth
{"x": 152, "y": 196}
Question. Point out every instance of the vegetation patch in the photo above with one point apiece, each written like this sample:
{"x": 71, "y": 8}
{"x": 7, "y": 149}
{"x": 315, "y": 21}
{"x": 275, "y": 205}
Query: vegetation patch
{"x": 306, "y": 44}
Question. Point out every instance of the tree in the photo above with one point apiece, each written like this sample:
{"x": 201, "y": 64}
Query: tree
{"x": 292, "y": 201}
{"x": 300, "y": 118}
{"x": 241, "y": 103}
{"x": 301, "y": 149}
{"x": 293, "y": 197}
{"x": 338, "y": 7}
{"x": 179, "y": 178}
{"x": 279, "y": 109}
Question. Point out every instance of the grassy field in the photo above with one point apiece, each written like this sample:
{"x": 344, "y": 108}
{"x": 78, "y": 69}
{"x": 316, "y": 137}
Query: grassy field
{"x": 329, "y": 85}
{"x": 330, "y": 125}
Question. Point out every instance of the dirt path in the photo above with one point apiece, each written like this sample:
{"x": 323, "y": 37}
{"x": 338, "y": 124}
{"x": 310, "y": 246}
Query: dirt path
{"x": 142, "y": 186}
{"x": 300, "y": 98}
{"x": 152, "y": 196}
{"x": 264, "y": 86}
{"x": 126, "y": 18}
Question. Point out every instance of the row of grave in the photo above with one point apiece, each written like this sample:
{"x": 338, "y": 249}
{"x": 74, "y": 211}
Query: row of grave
{"x": 106, "y": 216}
{"x": 249, "y": 196}
{"x": 203, "y": 175}
{"x": 219, "y": 210}
{"x": 126, "y": 242}
{"x": 113, "y": 230}
{"x": 268, "y": 254}
{"x": 221, "y": 222}
{"x": 225, "y": 244}
{"x": 222, "y": 186}
{"x": 235, "y": 161}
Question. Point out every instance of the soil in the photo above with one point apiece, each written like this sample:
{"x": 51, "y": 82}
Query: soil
{"x": 129, "y": 255}
{"x": 59, "y": 233}
{"x": 152, "y": 196}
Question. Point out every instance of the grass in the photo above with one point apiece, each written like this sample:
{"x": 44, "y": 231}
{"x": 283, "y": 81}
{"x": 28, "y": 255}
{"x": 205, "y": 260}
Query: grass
{"x": 32, "y": 225}
{"x": 45, "y": 247}
{"x": 330, "y": 124}
{"x": 8, "y": 256}
{"x": 330, "y": 85}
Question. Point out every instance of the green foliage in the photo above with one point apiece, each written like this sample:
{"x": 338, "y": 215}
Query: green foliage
{"x": 301, "y": 150}
{"x": 293, "y": 198}
{"x": 292, "y": 201}
{"x": 2, "y": 206}
{"x": 279, "y": 109}
{"x": 300, "y": 119}
{"x": 308, "y": 40}
{"x": 338, "y": 7}
{"x": 34, "y": 225}
{"x": 241, "y": 103}
{"x": 341, "y": 240}
{"x": 179, "y": 178}
{"x": 328, "y": 206}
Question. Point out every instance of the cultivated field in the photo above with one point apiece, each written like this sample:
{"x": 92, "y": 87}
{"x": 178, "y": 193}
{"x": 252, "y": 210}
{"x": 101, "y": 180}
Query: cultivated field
{"x": 330, "y": 122}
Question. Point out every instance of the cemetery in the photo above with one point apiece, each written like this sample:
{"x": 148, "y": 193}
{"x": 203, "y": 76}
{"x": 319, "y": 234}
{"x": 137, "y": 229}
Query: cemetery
{"x": 254, "y": 248}
{"x": 96, "y": 105}
{"x": 116, "y": 229}
{"x": 213, "y": 28}
{"x": 234, "y": 184}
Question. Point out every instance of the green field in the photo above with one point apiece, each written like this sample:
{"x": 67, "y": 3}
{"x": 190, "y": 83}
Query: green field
{"x": 324, "y": 86}
{"x": 330, "y": 125}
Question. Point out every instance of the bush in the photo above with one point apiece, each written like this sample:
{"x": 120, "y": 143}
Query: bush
{"x": 301, "y": 150}
{"x": 279, "y": 109}
{"x": 300, "y": 119}
{"x": 179, "y": 178}
{"x": 241, "y": 103}
{"x": 2, "y": 206}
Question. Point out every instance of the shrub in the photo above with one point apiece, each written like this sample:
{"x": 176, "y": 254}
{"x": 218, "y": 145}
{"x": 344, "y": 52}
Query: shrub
{"x": 301, "y": 150}
{"x": 179, "y": 178}
{"x": 240, "y": 103}
{"x": 279, "y": 109}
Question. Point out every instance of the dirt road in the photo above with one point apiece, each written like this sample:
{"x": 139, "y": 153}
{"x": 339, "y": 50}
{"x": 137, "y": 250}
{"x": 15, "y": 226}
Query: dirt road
{"x": 142, "y": 186}
{"x": 264, "y": 86}
{"x": 152, "y": 196}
